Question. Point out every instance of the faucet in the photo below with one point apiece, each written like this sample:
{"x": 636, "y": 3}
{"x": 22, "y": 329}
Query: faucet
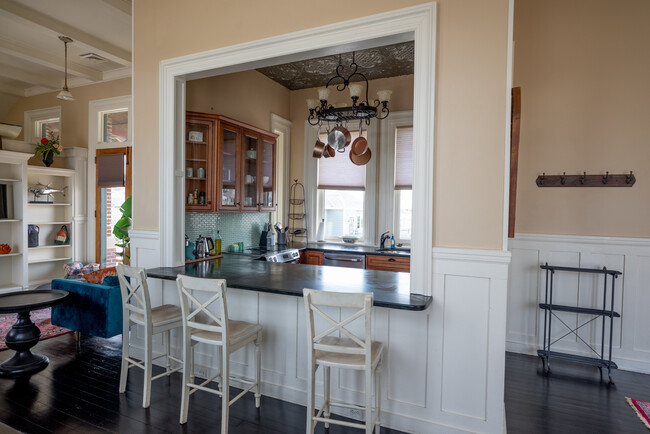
{"x": 383, "y": 239}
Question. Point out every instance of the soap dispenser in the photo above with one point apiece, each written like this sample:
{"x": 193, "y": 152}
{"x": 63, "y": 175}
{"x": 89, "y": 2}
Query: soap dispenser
{"x": 392, "y": 241}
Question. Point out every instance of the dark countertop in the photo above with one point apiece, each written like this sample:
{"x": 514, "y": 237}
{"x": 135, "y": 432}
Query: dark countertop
{"x": 351, "y": 248}
{"x": 390, "y": 289}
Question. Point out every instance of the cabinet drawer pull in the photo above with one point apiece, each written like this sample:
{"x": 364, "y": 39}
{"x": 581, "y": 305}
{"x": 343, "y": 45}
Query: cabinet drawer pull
{"x": 391, "y": 259}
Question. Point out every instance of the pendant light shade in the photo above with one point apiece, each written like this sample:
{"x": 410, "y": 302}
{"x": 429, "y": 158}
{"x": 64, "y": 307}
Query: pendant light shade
{"x": 65, "y": 93}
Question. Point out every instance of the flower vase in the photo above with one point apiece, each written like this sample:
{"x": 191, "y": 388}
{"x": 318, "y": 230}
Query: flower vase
{"x": 48, "y": 158}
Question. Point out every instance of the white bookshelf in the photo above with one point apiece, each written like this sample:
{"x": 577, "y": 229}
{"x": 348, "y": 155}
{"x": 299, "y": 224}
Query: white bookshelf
{"x": 13, "y": 179}
{"x": 45, "y": 261}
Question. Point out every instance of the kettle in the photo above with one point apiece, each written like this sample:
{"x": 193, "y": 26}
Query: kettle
{"x": 201, "y": 250}
{"x": 189, "y": 249}
{"x": 210, "y": 242}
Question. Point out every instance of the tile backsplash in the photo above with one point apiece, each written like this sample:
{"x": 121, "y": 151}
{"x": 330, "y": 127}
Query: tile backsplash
{"x": 233, "y": 227}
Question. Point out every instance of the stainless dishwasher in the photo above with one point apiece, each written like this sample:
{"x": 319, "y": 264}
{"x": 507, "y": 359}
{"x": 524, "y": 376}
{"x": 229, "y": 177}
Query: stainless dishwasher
{"x": 344, "y": 260}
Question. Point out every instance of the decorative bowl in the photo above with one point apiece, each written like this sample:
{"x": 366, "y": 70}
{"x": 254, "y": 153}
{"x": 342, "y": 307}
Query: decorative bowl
{"x": 349, "y": 239}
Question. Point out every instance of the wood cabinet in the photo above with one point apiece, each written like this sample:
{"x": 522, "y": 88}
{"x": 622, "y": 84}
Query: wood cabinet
{"x": 388, "y": 263}
{"x": 200, "y": 168}
{"x": 242, "y": 165}
{"x": 311, "y": 257}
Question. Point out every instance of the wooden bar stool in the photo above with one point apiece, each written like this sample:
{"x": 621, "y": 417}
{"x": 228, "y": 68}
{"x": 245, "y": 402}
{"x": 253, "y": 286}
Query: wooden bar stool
{"x": 227, "y": 335}
{"x": 136, "y": 309}
{"x": 345, "y": 351}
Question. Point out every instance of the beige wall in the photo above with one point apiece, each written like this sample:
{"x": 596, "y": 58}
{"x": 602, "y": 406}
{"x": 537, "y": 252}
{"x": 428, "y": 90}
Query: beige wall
{"x": 583, "y": 68}
{"x": 247, "y": 96}
{"x": 74, "y": 114}
{"x": 470, "y": 102}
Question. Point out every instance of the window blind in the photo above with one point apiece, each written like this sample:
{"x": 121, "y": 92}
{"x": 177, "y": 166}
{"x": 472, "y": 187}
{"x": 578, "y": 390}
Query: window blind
{"x": 111, "y": 170}
{"x": 403, "y": 158}
{"x": 339, "y": 173}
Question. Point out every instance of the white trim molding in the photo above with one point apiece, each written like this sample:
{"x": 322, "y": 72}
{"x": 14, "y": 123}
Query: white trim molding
{"x": 631, "y": 256}
{"x": 416, "y": 22}
{"x": 32, "y": 116}
{"x": 282, "y": 126}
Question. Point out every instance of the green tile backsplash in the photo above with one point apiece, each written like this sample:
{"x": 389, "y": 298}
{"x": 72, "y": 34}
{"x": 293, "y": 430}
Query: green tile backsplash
{"x": 233, "y": 227}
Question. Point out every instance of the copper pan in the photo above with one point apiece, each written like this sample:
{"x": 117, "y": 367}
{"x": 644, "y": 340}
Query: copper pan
{"x": 359, "y": 146}
{"x": 328, "y": 151}
{"x": 362, "y": 159}
{"x": 318, "y": 149}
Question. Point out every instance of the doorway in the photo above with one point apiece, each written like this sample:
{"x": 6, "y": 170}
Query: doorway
{"x": 112, "y": 189}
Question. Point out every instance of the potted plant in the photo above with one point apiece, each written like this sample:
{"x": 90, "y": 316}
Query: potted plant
{"x": 121, "y": 230}
{"x": 48, "y": 148}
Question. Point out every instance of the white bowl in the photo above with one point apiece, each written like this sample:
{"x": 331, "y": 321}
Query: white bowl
{"x": 349, "y": 239}
{"x": 10, "y": 131}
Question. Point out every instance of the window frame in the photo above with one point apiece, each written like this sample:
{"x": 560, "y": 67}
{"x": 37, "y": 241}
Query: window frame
{"x": 315, "y": 208}
{"x": 387, "y": 193}
{"x": 34, "y": 117}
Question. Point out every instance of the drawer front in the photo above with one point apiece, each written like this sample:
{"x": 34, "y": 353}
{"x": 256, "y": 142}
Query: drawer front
{"x": 388, "y": 263}
{"x": 311, "y": 257}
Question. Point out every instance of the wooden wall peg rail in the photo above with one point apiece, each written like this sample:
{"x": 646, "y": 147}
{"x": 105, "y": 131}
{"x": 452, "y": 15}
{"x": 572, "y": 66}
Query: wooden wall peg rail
{"x": 585, "y": 180}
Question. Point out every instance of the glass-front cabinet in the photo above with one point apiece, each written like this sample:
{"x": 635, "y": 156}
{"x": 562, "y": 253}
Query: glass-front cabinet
{"x": 267, "y": 166}
{"x": 199, "y": 164}
{"x": 250, "y": 171}
{"x": 229, "y": 165}
{"x": 229, "y": 151}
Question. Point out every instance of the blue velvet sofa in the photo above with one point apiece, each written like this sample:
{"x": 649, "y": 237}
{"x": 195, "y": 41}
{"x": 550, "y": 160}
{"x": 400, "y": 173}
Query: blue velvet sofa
{"x": 90, "y": 309}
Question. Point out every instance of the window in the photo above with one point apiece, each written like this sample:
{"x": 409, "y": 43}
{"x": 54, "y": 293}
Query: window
{"x": 114, "y": 126}
{"x": 403, "y": 185}
{"x": 39, "y": 123}
{"x": 342, "y": 194}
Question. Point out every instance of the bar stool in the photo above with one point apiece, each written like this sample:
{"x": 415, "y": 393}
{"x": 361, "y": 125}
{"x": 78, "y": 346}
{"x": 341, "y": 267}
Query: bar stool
{"x": 136, "y": 309}
{"x": 351, "y": 352}
{"x": 227, "y": 335}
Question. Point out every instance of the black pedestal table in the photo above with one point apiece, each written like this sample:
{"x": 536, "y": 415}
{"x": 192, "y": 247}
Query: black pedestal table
{"x": 24, "y": 334}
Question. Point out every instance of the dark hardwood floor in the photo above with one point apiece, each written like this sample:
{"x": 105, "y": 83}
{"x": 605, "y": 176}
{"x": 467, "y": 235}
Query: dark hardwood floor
{"x": 572, "y": 399}
{"x": 78, "y": 393}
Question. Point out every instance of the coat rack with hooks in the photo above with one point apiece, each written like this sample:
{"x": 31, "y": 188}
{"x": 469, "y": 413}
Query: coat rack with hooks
{"x": 584, "y": 180}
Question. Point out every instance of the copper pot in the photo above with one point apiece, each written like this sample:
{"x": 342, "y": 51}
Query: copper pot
{"x": 359, "y": 146}
{"x": 318, "y": 149}
{"x": 362, "y": 159}
{"x": 338, "y": 138}
{"x": 328, "y": 151}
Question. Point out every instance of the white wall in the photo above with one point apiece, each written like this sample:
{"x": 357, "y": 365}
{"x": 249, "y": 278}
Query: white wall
{"x": 443, "y": 368}
{"x": 631, "y": 256}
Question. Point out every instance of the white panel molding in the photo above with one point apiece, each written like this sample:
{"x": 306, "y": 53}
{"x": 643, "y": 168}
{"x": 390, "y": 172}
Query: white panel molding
{"x": 631, "y": 345}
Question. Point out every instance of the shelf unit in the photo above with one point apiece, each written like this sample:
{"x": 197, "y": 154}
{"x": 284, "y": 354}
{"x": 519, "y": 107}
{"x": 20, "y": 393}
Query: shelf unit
{"x": 44, "y": 262}
{"x": 604, "y": 312}
{"x": 13, "y": 181}
{"x": 297, "y": 211}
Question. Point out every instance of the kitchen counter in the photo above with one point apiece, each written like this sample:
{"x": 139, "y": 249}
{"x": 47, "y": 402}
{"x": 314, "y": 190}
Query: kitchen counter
{"x": 390, "y": 289}
{"x": 350, "y": 248}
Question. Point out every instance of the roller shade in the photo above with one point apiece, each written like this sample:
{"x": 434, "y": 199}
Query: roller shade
{"x": 403, "y": 158}
{"x": 339, "y": 173}
{"x": 111, "y": 170}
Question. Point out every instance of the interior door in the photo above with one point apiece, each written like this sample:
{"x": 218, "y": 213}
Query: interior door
{"x": 113, "y": 187}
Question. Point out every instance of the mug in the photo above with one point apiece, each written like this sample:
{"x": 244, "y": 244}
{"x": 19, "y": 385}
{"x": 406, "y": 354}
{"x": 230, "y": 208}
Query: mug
{"x": 249, "y": 178}
{"x": 226, "y": 175}
{"x": 189, "y": 172}
{"x": 200, "y": 172}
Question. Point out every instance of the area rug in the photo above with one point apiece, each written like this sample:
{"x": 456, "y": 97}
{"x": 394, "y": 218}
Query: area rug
{"x": 642, "y": 409}
{"x": 40, "y": 317}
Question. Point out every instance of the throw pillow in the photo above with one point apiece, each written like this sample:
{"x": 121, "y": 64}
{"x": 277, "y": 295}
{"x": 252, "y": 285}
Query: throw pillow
{"x": 111, "y": 281}
{"x": 99, "y": 275}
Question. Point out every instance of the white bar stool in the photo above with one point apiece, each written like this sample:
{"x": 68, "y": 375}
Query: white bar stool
{"x": 227, "y": 335}
{"x": 136, "y": 309}
{"x": 350, "y": 352}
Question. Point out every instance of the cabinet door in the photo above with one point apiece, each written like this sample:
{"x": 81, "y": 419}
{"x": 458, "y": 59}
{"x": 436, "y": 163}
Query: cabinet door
{"x": 250, "y": 164}
{"x": 313, "y": 257}
{"x": 229, "y": 149}
{"x": 267, "y": 174}
{"x": 199, "y": 164}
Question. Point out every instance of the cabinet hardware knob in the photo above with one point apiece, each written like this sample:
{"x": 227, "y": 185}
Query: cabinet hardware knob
{"x": 238, "y": 203}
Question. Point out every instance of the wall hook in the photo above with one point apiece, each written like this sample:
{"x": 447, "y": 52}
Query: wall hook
{"x": 605, "y": 178}
{"x": 563, "y": 178}
{"x": 628, "y": 178}
{"x": 541, "y": 181}
{"x": 584, "y": 176}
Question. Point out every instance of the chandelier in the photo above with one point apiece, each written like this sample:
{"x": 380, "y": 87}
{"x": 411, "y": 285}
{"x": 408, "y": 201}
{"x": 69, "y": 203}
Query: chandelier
{"x": 322, "y": 111}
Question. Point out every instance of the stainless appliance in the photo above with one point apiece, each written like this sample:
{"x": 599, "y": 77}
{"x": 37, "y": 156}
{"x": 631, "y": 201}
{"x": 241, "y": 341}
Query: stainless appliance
{"x": 274, "y": 254}
{"x": 202, "y": 248}
{"x": 344, "y": 260}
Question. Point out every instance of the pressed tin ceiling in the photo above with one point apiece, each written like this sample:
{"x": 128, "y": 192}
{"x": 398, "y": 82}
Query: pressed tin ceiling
{"x": 379, "y": 62}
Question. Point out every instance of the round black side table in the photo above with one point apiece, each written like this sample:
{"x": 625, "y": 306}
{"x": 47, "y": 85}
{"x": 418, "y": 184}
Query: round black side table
{"x": 24, "y": 334}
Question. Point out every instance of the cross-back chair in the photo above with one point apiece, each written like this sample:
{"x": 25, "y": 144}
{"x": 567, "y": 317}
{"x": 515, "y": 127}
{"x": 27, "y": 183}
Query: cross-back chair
{"x": 137, "y": 310}
{"x": 337, "y": 346}
{"x": 207, "y": 322}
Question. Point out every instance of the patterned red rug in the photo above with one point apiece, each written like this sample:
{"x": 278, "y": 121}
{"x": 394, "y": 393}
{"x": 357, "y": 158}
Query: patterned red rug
{"x": 40, "y": 317}
{"x": 642, "y": 409}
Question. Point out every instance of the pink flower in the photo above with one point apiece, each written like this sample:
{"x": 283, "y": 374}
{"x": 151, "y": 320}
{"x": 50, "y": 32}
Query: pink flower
{"x": 44, "y": 141}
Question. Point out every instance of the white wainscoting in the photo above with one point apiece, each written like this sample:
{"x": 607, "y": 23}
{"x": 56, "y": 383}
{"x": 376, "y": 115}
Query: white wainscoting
{"x": 443, "y": 368}
{"x": 631, "y": 256}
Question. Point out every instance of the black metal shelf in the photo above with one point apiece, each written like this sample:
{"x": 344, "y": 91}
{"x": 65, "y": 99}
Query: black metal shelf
{"x": 577, "y": 309}
{"x": 605, "y": 312}
{"x": 592, "y": 361}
